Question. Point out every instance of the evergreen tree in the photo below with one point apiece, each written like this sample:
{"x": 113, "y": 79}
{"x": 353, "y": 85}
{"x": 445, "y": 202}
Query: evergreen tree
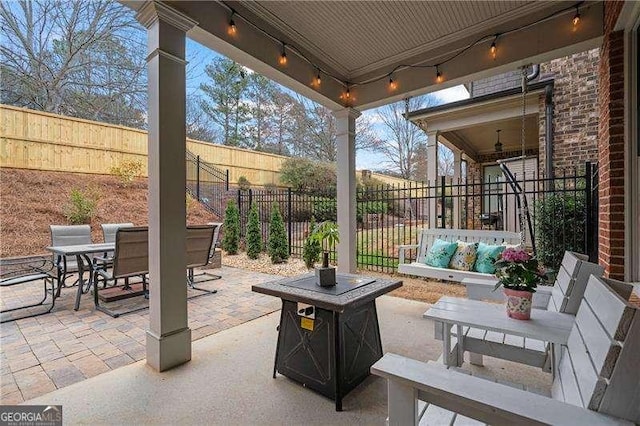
{"x": 254, "y": 233}
{"x": 231, "y": 238}
{"x": 312, "y": 248}
{"x": 278, "y": 245}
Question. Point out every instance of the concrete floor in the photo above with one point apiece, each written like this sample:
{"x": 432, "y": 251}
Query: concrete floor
{"x": 229, "y": 381}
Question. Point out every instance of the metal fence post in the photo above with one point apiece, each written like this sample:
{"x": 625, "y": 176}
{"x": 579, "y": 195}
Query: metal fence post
{"x": 198, "y": 178}
{"x": 289, "y": 220}
{"x": 443, "y": 209}
{"x": 227, "y": 180}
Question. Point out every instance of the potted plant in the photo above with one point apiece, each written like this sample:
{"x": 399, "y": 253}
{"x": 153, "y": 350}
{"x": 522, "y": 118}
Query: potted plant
{"x": 326, "y": 233}
{"x": 519, "y": 273}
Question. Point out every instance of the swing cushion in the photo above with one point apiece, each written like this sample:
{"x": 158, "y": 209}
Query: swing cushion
{"x": 486, "y": 256}
{"x": 465, "y": 256}
{"x": 440, "y": 253}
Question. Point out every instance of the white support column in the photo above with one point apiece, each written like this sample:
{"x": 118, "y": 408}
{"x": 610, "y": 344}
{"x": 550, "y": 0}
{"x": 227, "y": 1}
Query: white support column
{"x": 457, "y": 173}
{"x": 346, "y": 199}
{"x": 168, "y": 337}
{"x": 432, "y": 177}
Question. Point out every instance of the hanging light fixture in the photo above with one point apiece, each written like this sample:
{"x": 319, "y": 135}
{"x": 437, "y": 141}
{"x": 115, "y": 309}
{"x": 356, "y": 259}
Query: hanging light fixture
{"x": 393, "y": 85}
{"x": 283, "y": 56}
{"x": 576, "y": 17}
{"x": 232, "y": 25}
{"x": 498, "y": 145}
{"x": 438, "y": 75}
{"x": 318, "y": 78}
{"x": 494, "y": 49}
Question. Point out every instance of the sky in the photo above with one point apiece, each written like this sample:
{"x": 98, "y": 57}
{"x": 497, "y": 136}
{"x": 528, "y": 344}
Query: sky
{"x": 199, "y": 56}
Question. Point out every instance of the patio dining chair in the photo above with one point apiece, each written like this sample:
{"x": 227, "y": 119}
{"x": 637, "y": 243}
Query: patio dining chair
{"x": 109, "y": 231}
{"x": 200, "y": 241}
{"x": 68, "y": 235}
{"x": 130, "y": 259}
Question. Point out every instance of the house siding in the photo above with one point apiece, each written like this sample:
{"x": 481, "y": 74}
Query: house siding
{"x": 611, "y": 152}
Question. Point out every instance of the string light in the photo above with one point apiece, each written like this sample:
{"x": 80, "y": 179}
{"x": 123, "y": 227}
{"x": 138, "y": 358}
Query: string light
{"x": 576, "y": 17}
{"x": 283, "y": 56}
{"x": 494, "y": 48}
{"x": 232, "y": 25}
{"x": 393, "y": 85}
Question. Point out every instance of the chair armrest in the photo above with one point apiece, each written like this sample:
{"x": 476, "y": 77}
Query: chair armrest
{"x": 478, "y": 398}
{"x": 401, "y": 250}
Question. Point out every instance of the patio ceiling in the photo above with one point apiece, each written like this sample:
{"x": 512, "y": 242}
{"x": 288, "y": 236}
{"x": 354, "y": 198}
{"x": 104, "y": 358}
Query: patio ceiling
{"x": 358, "y": 41}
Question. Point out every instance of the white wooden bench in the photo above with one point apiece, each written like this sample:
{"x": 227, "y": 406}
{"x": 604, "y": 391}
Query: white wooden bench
{"x": 426, "y": 239}
{"x": 597, "y": 381}
{"x": 566, "y": 296}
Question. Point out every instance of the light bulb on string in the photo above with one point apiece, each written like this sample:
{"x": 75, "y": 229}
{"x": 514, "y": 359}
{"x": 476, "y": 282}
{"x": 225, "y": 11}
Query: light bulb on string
{"x": 318, "y": 79}
{"x": 393, "y": 85}
{"x": 576, "y": 18}
{"x": 494, "y": 49}
{"x": 283, "y": 56}
{"x": 438, "y": 75}
{"x": 232, "y": 26}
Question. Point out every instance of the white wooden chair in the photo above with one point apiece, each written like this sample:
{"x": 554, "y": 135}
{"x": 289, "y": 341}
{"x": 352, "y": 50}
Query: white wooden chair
{"x": 597, "y": 382}
{"x": 566, "y": 296}
{"x": 426, "y": 239}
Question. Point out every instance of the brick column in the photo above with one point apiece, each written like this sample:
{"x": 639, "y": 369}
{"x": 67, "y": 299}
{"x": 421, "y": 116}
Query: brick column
{"x": 611, "y": 152}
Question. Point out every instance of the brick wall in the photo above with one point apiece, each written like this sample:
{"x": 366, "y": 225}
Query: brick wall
{"x": 611, "y": 145}
{"x": 575, "y": 119}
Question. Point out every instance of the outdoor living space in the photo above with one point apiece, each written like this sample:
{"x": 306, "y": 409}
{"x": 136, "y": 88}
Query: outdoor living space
{"x": 238, "y": 387}
{"x": 332, "y": 295}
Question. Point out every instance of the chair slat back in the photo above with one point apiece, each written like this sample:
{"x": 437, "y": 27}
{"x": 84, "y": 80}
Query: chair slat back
{"x": 109, "y": 230}
{"x": 571, "y": 282}
{"x": 594, "y": 367}
{"x": 430, "y": 235}
{"x": 199, "y": 241}
{"x": 131, "y": 256}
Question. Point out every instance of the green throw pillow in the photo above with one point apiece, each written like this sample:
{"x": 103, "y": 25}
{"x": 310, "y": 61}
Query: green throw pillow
{"x": 486, "y": 256}
{"x": 440, "y": 253}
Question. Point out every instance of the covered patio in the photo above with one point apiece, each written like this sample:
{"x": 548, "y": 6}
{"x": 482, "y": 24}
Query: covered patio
{"x": 349, "y": 57}
{"x": 312, "y": 48}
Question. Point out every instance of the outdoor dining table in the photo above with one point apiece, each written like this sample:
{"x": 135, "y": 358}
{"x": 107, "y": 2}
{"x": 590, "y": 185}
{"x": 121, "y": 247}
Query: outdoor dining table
{"x": 547, "y": 326}
{"x": 83, "y": 253}
{"x": 328, "y": 337}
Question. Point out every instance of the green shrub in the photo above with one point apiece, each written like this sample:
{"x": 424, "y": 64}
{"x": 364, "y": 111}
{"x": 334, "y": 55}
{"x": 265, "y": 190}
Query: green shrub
{"x": 127, "y": 171}
{"x": 325, "y": 209}
{"x": 306, "y": 175}
{"x": 560, "y": 224}
{"x": 81, "y": 206}
{"x": 278, "y": 245}
{"x": 243, "y": 183}
{"x": 370, "y": 207}
{"x": 254, "y": 233}
{"x": 312, "y": 247}
{"x": 231, "y": 227}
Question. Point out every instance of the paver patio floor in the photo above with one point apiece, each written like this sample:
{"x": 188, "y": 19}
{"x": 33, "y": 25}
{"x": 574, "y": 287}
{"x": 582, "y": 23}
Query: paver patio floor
{"x": 48, "y": 352}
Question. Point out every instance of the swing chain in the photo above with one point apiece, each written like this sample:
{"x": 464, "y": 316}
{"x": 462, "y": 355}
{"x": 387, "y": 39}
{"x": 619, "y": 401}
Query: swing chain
{"x": 523, "y": 206}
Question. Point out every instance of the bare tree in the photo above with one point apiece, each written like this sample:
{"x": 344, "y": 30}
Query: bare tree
{"x": 445, "y": 161}
{"x": 80, "y": 58}
{"x": 406, "y": 145}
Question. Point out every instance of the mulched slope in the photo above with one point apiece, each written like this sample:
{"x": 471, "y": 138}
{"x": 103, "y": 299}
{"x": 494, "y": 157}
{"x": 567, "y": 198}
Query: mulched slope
{"x": 31, "y": 200}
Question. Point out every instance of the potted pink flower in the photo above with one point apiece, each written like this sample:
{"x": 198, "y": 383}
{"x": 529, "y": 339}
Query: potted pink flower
{"x": 519, "y": 273}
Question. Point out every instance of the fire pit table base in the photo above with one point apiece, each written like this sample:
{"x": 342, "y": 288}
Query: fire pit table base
{"x": 335, "y": 355}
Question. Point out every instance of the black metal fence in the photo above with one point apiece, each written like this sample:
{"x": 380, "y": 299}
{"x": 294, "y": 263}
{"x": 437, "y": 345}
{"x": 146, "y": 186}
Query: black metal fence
{"x": 562, "y": 213}
{"x": 207, "y": 184}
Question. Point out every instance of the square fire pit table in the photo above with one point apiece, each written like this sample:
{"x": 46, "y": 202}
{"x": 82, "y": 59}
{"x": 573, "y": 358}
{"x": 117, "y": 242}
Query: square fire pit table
{"x": 328, "y": 336}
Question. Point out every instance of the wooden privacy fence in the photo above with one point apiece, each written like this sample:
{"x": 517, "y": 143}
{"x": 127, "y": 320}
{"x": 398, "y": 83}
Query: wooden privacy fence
{"x": 42, "y": 141}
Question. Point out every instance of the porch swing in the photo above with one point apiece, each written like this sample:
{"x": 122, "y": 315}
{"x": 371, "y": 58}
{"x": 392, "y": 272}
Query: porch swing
{"x": 521, "y": 198}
